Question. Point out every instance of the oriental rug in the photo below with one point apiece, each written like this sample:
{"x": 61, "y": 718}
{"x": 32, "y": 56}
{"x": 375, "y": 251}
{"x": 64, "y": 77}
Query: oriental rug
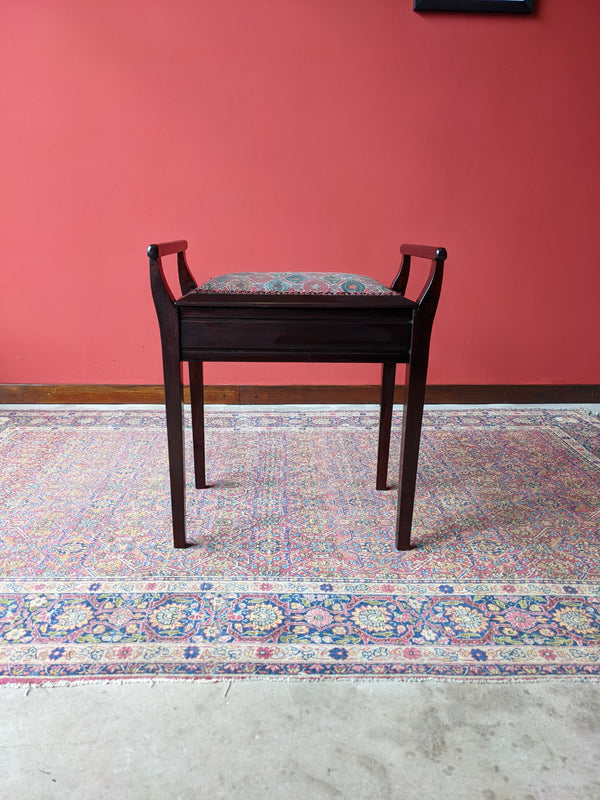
{"x": 293, "y": 570}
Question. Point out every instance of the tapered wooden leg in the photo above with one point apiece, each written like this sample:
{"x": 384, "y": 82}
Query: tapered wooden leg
{"x": 412, "y": 419}
{"x": 175, "y": 438}
{"x": 388, "y": 380}
{"x": 197, "y": 402}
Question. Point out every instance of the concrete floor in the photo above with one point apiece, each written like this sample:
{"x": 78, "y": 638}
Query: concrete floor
{"x": 315, "y": 741}
{"x": 311, "y": 740}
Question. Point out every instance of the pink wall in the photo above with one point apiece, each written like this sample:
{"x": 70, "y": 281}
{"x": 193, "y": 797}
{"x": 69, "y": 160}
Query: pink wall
{"x": 298, "y": 134}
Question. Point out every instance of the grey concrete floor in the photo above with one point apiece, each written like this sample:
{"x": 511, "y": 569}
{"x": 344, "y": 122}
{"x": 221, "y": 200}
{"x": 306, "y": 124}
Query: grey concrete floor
{"x": 176, "y": 740}
{"x": 309, "y": 740}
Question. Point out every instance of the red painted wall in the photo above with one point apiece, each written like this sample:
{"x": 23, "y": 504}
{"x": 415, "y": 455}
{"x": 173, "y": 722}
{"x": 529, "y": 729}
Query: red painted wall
{"x": 298, "y": 134}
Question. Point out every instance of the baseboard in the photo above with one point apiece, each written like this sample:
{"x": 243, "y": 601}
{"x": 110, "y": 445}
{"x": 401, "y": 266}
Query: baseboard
{"x": 76, "y": 393}
{"x": 275, "y": 395}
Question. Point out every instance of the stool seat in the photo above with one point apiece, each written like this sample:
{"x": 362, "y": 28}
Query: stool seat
{"x": 278, "y": 283}
{"x": 295, "y": 316}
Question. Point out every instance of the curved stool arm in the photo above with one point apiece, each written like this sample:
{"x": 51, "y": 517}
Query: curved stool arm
{"x": 430, "y": 294}
{"x": 160, "y": 287}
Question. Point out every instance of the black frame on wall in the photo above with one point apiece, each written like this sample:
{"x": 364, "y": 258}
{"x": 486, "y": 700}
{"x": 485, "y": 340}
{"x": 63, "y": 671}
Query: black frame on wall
{"x": 509, "y": 6}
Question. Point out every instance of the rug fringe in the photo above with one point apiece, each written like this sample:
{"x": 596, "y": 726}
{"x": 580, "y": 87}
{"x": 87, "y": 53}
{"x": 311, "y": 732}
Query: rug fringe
{"x": 28, "y": 686}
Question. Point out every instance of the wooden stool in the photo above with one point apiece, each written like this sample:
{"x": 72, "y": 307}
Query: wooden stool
{"x": 296, "y": 316}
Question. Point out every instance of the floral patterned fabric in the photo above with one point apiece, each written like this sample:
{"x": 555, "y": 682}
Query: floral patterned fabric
{"x": 334, "y": 283}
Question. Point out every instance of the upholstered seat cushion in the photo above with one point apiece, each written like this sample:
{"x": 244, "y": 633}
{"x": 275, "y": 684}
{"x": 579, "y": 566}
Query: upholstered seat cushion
{"x": 334, "y": 283}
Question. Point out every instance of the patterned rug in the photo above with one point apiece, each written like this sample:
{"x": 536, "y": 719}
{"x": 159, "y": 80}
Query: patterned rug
{"x": 293, "y": 572}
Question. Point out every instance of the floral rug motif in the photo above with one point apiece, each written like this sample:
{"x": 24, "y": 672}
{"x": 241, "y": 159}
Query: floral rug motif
{"x": 293, "y": 570}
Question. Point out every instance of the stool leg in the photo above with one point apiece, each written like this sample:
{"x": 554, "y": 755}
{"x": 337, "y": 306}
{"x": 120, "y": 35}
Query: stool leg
{"x": 409, "y": 458}
{"x": 197, "y": 403}
{"x": 388, "y": 380}
{"x": 175, "y": 438}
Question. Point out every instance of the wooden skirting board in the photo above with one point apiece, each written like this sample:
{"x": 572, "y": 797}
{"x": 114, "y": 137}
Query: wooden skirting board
{"x": 275, "y": 395}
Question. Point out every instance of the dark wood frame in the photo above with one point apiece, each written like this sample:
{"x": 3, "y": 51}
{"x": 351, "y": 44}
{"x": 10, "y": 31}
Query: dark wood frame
{"x": 386, "y": 329}
{"x": 498, "y": 6}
